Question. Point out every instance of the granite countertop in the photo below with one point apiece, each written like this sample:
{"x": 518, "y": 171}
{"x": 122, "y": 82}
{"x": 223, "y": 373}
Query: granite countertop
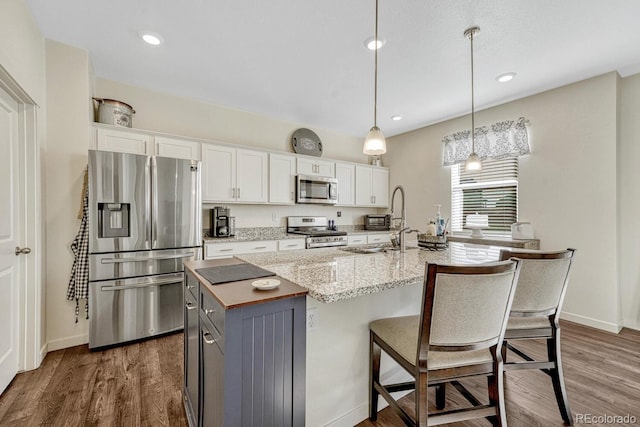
{"x": 332, "y": 274}
{"x": 256, "y": 234}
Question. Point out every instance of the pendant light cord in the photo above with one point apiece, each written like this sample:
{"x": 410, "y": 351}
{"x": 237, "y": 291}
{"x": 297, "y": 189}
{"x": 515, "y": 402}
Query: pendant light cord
{"x": 473, "y": 122}
{"x": 375, "y": 74}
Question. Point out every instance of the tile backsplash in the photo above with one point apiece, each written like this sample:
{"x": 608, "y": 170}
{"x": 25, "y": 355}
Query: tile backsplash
{"x": 276, "y": 216}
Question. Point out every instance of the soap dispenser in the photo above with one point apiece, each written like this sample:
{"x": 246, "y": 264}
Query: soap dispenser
{"x": 439, "y": 221}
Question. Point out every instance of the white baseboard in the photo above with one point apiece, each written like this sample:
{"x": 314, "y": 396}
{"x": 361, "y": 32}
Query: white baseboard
{"x": 632, "y": 324}
{"x": 68, "y": 342}
{"x": 361, "y": 412}
{"x": 594, "y": 323}
{"x": 43, "y": 352}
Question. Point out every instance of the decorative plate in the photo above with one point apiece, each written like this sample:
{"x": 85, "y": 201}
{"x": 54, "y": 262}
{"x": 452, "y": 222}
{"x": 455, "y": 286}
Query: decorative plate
{"x": 264, "y": 284}
{"x": 305, "y": 141}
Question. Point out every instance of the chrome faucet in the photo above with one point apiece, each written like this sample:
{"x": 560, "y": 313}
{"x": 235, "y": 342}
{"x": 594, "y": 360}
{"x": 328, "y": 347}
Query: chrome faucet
{"x": 403, "y": 218}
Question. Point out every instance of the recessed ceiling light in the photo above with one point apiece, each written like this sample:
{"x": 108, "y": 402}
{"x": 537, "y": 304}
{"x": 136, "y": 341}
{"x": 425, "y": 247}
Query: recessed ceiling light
{"x": 503, "y": 78}
{"x": 151, "y": 38}
{"x": 370, "y": 43}
{"x": 396, "y": 117}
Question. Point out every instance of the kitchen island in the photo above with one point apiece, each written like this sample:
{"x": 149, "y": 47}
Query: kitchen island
{"x": 346, "y": 291}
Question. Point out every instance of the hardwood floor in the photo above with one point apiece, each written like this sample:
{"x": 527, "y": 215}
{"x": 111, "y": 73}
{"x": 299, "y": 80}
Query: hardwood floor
{"x": 140, "y": 385}
{"x": 601, "y": 371}
{"x": 134, "y": 385}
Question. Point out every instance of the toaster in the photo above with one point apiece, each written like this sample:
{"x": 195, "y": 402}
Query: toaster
{"x": 379, "y": 222}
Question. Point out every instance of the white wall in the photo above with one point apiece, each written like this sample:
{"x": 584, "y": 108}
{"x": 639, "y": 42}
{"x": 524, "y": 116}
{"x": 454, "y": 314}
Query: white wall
{"x": 68, "y": 114}
{"x": 567, "y": 185}
{"x": 629, "y": 189}
{"x": 181, "y": 116}
{"x": 22, "y": 48}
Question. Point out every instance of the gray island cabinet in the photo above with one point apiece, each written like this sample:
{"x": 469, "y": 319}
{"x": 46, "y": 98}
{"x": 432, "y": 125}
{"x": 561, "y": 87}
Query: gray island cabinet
{"x": 244, "y": 351}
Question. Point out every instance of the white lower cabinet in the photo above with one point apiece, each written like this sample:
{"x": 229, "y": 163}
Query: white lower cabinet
{"x": 291, "y": 244}
{"x": 358, "y": 239}
{"x": 366, "y": 239}
{"x": 226, "y": 250}
{"x": 378, "y": 238}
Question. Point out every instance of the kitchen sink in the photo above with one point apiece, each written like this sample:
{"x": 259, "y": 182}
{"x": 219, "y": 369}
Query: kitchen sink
{"x": 372, "y": 250}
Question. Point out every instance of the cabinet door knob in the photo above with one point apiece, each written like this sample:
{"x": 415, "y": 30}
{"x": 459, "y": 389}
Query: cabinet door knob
{"x": 208, "y": 338}
{"x": 209, "y": 311}
{"x": 190, "y": 306}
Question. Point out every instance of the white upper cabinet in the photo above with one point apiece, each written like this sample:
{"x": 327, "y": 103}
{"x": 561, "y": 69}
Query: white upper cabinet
{"x": 372, "y": 186}
{"x": 177, "y": 148}
{"x": 218, "y": 173}
{"x": 233, "y": 175}
{"x": 310, "y": 166}
{"x": 121, "y": 141}
{"x": 380, "y": 186}
{"x": 251, "y": 176}
{"x": 282, "y": 173}
{"x": 346, "y": 176}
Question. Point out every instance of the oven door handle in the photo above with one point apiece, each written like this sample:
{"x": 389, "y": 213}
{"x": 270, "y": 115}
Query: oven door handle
{"x": 140, "y": 285}
{"x": 143, "y": 259}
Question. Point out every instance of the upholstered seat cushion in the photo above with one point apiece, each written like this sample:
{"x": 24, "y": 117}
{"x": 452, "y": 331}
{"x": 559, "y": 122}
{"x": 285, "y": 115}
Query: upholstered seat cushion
{"x": 401, "y": 334}
{"x": 533, "y": 322}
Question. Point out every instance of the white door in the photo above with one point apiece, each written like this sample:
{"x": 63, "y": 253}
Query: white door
{"x": 9, "y": 226}
{"x": 251, "y": 176}
{"x": 218, "y": 173}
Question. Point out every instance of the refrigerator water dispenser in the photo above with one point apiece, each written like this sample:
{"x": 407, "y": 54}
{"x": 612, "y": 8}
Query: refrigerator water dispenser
{"x": 113, "y": 220}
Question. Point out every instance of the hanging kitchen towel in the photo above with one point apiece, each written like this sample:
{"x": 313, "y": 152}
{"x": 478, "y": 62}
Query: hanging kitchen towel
{"x": 79, "y": 282}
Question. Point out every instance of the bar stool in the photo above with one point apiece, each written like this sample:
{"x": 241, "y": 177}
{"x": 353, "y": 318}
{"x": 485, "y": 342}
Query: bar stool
{"x": 535, "y": 313}
{"x": 458, "y": 334}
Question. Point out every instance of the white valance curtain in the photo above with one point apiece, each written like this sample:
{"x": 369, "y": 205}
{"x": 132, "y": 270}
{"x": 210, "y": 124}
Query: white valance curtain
{"x": 508, "y": 138}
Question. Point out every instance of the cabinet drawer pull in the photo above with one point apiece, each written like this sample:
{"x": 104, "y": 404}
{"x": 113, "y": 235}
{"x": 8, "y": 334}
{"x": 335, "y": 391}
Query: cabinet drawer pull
{"x": 238, "y": 196}
{"x": 292, "y": 245}
{"x": 190, "y": 306}
{"x": 225, "y": 250}
{"x": 208, "y": 338}
{"x": 209, "y": 311}
{"x": 260, "y": 247}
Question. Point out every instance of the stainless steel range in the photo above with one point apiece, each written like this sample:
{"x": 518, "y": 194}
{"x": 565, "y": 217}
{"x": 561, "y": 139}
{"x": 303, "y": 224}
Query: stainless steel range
{"x": 316, "y": 228}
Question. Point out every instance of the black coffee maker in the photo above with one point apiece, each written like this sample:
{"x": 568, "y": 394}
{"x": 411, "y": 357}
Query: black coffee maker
{"x": 222, "y": 225}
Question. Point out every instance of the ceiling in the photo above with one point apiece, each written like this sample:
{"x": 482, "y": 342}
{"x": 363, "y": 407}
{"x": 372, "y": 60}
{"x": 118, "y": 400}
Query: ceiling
{"x": 305, "y": 60}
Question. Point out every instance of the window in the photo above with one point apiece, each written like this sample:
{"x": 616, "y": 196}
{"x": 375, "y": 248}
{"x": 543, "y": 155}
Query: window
{"x": 493, "y": 191}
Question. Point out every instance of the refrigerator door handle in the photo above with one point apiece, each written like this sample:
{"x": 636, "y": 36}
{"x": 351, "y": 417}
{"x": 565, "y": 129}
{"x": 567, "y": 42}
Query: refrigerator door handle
{"x": 154, "y": 202}
{"x": 143, "y": 259}
{"x": 154, "y": 282}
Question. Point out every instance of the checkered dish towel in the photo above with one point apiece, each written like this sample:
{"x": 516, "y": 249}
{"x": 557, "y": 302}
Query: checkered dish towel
{"x": 79, "y": 282}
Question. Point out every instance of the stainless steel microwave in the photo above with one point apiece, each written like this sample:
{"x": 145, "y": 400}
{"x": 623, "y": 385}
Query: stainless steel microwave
{"x": 316, "y": 189}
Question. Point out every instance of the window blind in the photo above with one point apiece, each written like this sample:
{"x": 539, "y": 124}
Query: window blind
{"x": 493, "y": 191}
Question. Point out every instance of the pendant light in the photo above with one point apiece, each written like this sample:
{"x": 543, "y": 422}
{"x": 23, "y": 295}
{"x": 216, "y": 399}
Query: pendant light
{"x": 374, "y": 143}
{"x": 473, "y": 163}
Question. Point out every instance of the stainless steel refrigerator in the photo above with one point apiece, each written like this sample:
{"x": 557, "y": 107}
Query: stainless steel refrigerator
{"x": 145, "y": 219}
